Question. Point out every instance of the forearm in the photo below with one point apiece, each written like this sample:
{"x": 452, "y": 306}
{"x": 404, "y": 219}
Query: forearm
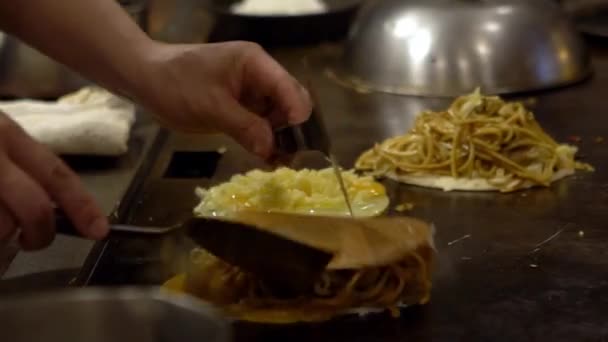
{"x": 95, "y": 37}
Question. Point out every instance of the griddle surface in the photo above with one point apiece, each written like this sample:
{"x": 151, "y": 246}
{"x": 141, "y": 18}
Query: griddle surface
{"x": 496, "y": 279}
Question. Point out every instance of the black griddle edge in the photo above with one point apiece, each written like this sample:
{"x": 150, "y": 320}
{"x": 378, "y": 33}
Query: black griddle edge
{"x": 121, "y": 212}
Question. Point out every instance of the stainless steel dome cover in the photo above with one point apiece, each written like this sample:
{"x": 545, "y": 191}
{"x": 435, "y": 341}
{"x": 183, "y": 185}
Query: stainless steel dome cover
{"x": 449, "y": 47}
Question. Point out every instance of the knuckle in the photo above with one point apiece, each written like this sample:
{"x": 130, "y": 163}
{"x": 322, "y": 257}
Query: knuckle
{"x": 250, "y": 124}
{"x": 189, "y": 55}
{"x": 86, "y": 211}
{"x": 7, "y": 223}
{"x": 41, "y": 215}
{"x": 7, "y": 229}
{"x": 37, "y": 232}
{"x": 251, "y": 47}
{"x": 58, "y": 179}
{"x": 250, "y": 50}
{"x": 59, "y": 171}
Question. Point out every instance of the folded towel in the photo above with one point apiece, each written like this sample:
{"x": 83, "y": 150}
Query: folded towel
{"x": 91, "y": 121}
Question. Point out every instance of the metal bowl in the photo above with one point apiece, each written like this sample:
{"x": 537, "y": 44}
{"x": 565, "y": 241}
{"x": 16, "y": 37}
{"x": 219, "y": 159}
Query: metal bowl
{"x": 117, "y": 315}
{"x": 275, "y": 30}
{"x": 449, "y": 47}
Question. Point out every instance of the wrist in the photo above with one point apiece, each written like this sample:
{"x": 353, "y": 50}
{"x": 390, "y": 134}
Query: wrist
{"x": 135, "y": 68}
{"x": 148, "y": 81}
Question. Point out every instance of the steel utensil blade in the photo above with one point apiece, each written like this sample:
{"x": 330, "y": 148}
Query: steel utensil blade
{"x": 338, "y": 174}
{"x": 307, "y": 146}
{"x": 284, "y": 264}
{"x": 318, "y": 115}
{"x": 318, "y": 160}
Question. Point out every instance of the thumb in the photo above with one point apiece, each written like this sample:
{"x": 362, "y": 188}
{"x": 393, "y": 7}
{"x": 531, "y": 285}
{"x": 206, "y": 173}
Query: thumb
{"x": 249, "y": 129}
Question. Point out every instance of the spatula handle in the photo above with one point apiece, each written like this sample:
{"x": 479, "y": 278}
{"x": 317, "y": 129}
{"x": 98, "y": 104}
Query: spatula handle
{"x": 309, "y": 135}
{"x": 64, "y": 226}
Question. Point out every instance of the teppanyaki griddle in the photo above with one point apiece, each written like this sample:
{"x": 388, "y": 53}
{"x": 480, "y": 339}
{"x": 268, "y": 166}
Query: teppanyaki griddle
{"x": 524, "y": 266}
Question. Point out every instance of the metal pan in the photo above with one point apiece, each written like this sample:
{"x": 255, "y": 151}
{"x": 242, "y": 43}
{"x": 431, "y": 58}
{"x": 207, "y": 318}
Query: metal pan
{"x": 100, "y": 315}
{"x": 281, "y": 29}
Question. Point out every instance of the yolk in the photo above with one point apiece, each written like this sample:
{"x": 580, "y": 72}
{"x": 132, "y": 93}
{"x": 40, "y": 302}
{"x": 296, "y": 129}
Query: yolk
{"x": 373, "y": 187}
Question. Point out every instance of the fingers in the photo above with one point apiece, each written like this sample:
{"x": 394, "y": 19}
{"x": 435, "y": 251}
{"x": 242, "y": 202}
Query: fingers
{"x": 247, "y": 128}
{"x": 291, "y": 102}
{"x": 62, "y": 185}
{"x": 269, "y": 90}
{"x": 7, "y": 224}
{"x": 29, "y": 203}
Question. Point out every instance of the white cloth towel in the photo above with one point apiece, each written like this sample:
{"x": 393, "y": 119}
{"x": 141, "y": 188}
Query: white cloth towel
{"x": 91, "y": 121}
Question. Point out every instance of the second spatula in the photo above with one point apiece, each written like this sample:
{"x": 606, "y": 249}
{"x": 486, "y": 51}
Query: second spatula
{"x": 289, "y": 264}
{"x": 292, "y": 251}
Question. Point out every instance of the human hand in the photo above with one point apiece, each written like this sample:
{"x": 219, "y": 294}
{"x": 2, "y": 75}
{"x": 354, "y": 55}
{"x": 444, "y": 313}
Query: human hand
{"x": 233, "y": 87}
{"x": 32, "y": 181}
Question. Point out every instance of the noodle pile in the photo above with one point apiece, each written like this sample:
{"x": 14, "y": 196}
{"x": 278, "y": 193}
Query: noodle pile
{"x": 401, "y": 283}
{"x": 478, "y": 137}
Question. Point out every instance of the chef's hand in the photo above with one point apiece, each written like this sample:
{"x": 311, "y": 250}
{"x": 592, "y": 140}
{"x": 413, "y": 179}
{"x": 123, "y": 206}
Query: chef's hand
{"x": 32, "y": 180}
{"x": 233, "y": 87}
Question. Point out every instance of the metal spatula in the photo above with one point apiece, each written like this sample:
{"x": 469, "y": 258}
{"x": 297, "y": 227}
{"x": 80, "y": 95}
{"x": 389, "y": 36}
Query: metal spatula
{"x": 307, "y": 145}
{"x": 287, "y": 264}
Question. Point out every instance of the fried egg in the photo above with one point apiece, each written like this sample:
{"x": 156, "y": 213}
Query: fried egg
{"x": 314, "y": 192}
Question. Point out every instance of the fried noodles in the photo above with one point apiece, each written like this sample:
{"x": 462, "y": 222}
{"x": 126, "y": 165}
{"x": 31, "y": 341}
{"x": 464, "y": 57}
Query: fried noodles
{"x": 478, "y": 137}
{"x": 404, "y": 282}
